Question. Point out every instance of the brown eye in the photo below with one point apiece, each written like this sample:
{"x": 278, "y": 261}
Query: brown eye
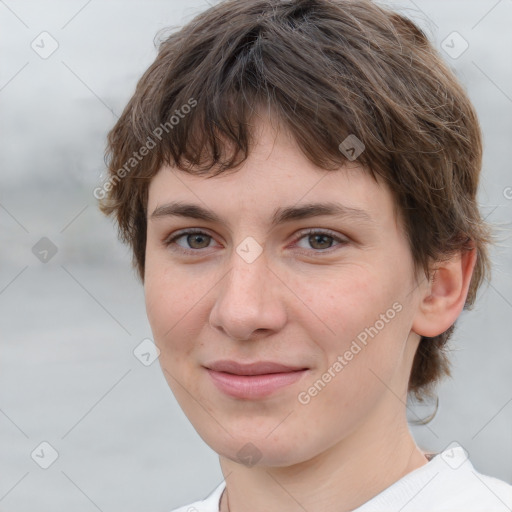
{"x": 321, "y": 241}
{"x": 197, "y": 240}
{"x": 194, "y": 241}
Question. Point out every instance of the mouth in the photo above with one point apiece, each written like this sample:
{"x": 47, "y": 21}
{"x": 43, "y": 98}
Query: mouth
{"x": 253, "y": 380}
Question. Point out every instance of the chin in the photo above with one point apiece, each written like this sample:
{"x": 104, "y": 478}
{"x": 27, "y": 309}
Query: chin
{"x": 260, "y": 449}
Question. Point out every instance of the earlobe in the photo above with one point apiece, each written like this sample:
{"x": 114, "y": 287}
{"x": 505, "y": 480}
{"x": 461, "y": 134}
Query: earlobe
{"x": 444, "y": 297}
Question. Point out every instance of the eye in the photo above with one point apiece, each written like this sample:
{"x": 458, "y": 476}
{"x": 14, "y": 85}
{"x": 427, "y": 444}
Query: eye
{"x": 195, "y": 239}
{"x": 321, "y": 241}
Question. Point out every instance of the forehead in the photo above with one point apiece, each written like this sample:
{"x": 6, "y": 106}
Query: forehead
{"x": 275, "y": 177}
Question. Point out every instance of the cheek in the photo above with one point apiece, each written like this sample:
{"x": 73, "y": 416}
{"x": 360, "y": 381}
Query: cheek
{"x": 170, "y": 303}
{"x": 170, "y": 310}
{"x": 359, "y": 318}
{"x": 342, "y": 303}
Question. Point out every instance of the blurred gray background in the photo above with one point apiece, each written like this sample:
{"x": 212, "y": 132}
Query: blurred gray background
{"x": 70, "y": 320}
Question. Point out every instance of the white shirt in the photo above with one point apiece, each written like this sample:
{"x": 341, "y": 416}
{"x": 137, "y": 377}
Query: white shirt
{"x": 447, "y": 483}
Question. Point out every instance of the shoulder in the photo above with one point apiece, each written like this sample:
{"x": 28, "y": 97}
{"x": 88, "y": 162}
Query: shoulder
{"x": 460, "y": 484}
{"x": 448, "y": 483}
{"x": 475, "y": 491}
{"x": 208, "y": 504}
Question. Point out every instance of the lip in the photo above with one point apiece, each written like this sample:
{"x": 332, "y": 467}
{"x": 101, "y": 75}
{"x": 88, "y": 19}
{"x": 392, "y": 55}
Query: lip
{"x": 254, "y": 380}
{"x": 256, "y": 368}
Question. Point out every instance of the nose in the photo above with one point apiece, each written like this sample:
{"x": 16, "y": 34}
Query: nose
{"x": 250, "y": 301}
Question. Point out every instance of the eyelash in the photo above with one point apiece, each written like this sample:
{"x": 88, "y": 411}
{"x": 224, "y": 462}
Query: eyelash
{"x": 172, "y": 240}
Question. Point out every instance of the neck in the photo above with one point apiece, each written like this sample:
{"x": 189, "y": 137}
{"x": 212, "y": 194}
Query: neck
{"x": 339, "y": 479}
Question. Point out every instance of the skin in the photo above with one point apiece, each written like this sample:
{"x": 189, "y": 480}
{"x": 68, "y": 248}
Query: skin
{"x": 301, "y": 302}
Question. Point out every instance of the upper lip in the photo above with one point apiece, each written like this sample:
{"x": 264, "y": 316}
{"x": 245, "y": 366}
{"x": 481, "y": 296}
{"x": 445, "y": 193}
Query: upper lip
{"x": 257, "y": 368}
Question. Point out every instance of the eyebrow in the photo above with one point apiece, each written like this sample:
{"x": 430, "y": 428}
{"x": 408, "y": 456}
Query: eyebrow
{"x": 281, "y": 215}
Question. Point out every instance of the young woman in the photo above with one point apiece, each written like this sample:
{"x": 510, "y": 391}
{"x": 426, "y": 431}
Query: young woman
{"x": 297, "y": 180}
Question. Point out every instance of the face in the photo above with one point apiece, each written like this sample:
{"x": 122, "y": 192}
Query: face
{"x": 329, "y": 295}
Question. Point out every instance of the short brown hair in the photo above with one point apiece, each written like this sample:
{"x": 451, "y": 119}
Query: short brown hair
{"x": 327, "y": 69}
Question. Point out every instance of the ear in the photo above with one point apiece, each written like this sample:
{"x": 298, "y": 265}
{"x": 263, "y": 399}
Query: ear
{"x": 442, "y": 300}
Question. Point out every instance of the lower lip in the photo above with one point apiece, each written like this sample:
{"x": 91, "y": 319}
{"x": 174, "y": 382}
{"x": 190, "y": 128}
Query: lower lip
{"x": 253, "y": 386}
